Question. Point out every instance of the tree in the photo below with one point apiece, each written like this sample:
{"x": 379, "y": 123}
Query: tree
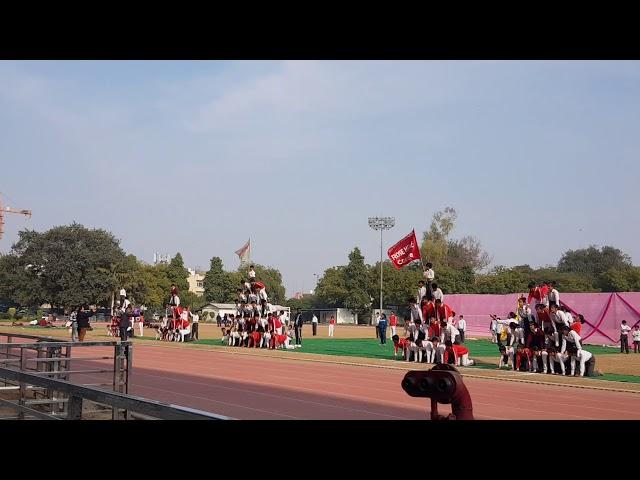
{"x": 331, "y": 291}
{"x": 218, "y": 284}
{"x": 65, "y": 266}
{"x": 177, "y": 274}
{"x": 467, "y": 253}
{"x": 356, "y": 273}
{"x": 439, "y": 249}
{"x": 621, "y": 279}
{"x": 592, "y": 261}
{"x": 304, "y": 303}
{"x": 158, "y": 285}
{"x": 435, "y": 240}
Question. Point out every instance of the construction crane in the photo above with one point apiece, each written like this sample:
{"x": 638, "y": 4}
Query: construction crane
{"x": 3, "y": 210}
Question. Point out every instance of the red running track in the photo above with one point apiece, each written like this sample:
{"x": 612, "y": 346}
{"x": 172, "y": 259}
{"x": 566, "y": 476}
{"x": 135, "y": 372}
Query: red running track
{"x": 259, "y": 387}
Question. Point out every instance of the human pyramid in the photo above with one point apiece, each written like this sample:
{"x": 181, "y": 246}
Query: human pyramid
{"x": 431, "y": 334}
{"x": 545, "y": 340}
{"x": 256, "y": 324}
{"x": 175, "y": 324}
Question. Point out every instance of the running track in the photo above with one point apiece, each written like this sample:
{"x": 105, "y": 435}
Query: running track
{"x": 258, "y": 387}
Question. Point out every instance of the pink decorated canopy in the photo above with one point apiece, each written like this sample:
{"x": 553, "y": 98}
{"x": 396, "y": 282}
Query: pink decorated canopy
{"x": 603, "y": 312}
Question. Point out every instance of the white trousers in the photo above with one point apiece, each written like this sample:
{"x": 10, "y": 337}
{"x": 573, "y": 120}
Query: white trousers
{"x": 331, "y": 330}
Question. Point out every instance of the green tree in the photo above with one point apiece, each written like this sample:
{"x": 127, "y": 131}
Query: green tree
{"x": 357, "y": 276}
{"x": 592, "y": 261}
{"x": 158, "y": 285}
{"x": 178, "y": 274}
{"x": 218, "y": 284}
{"x": 305, "y": 303}
{"x": 65, "y": 266}
{"x": 331, "y": 291}
{"x": 621, "y": 279}
{"x": 438, "y": 248}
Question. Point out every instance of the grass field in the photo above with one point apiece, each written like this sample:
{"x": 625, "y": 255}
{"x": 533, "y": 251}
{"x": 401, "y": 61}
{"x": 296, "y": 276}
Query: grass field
{"x": 360, "y": 341}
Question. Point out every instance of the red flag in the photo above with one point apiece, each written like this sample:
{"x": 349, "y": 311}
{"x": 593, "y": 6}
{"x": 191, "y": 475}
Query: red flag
{"x": 405, "y": 251}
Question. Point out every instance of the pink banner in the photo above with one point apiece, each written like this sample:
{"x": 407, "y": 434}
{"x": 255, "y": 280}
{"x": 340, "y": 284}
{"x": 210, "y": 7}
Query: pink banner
{"x": 603, "y": 312}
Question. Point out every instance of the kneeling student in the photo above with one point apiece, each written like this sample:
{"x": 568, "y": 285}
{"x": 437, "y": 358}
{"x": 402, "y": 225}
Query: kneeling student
{"x": 459, "y": 353}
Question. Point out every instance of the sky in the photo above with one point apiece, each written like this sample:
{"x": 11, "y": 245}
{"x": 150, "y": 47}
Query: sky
{"x": 536, "y": 157}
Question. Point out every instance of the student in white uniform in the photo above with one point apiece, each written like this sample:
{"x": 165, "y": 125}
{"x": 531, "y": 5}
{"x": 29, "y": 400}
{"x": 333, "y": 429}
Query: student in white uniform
{"x": 462, "y": 326}
{"x": 583, "y": 358}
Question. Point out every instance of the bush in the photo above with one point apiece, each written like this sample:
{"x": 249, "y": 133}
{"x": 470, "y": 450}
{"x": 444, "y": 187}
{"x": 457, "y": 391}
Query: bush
{"x": 19, "y": 316}
{"x": 11, "y": 312}
{"x": 39, "y": 313}
{"x": 4, "y": 316}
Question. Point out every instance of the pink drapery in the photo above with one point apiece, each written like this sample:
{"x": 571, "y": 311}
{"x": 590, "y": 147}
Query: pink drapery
{"x": 603, "y": 312}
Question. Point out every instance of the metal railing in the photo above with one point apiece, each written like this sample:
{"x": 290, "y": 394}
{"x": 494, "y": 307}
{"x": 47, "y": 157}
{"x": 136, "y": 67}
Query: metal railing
{"x": 76, "y": 394}
{"x": 44, "y": 368}
{"x": 51, "y": 357}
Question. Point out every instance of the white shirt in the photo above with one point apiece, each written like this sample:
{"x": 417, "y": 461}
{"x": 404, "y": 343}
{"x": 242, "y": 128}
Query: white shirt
{"x": 422, "y": 291}
{"x": 437, "y": 294}
{"x": 314, "y": 319}
{"x": 449, "y": 333}
{"x": 252, "y": 274}
{"x": 195, "y": 318}
{"x": 429, "y": 274}
{"x": 572, "y": 336}
{"x": 125, "y": 303}
{"x": 584, "y": 355}
{"x": 462, "y": 324}
{"x": 561, "y": 317}
{"x": 184, "y": 315}
{"x": 554, "y": 296}
{"x": 625, "y": 329}
{"x": 636, "y": 335}
{"x": 263, "y": 294}
{"x": 123, "y": 292}
{"x": 416, "y": 313}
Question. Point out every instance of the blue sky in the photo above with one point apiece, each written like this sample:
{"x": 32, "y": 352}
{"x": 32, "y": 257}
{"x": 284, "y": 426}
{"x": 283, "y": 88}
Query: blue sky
{"x": 536, "y": 157}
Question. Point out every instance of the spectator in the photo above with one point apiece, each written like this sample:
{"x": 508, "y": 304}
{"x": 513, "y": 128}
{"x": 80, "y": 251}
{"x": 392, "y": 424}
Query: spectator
{"x": 298, "y": 324}
{"x": 624, "y": 337}
{"x": 314, "y": 324}
{"x": 83, "y": 316}
{"x": 462, "y": 325}
{"x": 382, "y": 327}
{"x": 393, "y": 323}
{"x": 195, "y": 320}
{"x": 332, "y": 323}
{"x": 636, "y": 339}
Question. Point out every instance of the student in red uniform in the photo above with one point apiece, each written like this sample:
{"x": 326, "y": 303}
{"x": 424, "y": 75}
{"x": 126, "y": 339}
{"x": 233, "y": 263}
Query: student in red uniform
{"x": 524, "y": 353}
{"x": 443, "y": 311}
{"x": 401, "y": 344}
{"x": 332, "y": 324}
{"x": 543, "y": 317}
{"x": 393, "y": 323}
{"x": 255, "y": 339}
{"x": 459, "y": 353}
{"x": 577, "y": 326}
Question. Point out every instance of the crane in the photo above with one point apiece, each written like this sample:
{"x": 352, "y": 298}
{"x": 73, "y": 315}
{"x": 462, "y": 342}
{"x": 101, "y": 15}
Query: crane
{"x": 3, "y": 210}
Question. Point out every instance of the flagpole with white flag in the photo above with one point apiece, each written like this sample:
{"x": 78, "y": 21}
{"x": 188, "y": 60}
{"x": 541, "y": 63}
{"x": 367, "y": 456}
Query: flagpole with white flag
{"x": 245, "y": 252}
